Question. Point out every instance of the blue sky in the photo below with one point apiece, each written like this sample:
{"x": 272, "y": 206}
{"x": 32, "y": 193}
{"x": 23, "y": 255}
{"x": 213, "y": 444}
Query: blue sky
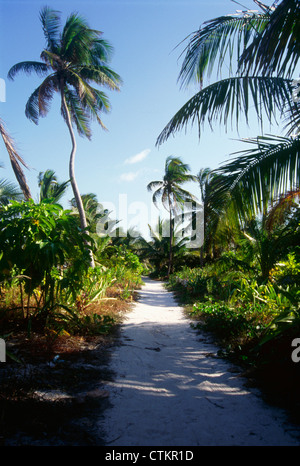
{"x": 118, "y": 164}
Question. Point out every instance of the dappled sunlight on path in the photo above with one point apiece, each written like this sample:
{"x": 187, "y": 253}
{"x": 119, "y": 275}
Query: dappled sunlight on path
{"x": 170, "y": 389}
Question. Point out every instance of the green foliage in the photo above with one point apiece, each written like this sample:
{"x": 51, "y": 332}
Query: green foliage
{"x": 78, "y": 288}
{"x": 288, "y": 271}
{"x": 284, "y": 323}
{"x": 71, "y": 322}
{"x": 37, "y": 237}
{"x": 43, "y": 252}
{"x": 242, "y": 312}
{"x": 45, "y": 273}
{"x": 122, "y": 256}
{"x": 228, "y": 322}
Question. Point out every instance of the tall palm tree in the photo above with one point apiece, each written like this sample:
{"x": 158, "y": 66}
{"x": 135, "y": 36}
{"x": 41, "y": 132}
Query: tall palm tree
{"x": 72, "y": 60}
{"x": 171, "y": 194}
{"x": 15, "y": 160}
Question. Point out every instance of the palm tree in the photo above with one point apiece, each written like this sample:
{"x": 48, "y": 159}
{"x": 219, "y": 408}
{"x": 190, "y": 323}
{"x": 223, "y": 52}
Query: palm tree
{"x": 157, "y": 249}
{"x": 15, "y": 160}
{"x": 71, "y": 61}
{"x": 50, "y": 188}
{"x": 269, "y": 239}
{"x": 219, "y": 215}
{"x": 171, "y": 194}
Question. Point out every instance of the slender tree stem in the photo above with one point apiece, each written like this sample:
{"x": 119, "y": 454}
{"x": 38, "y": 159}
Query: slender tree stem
{"x": 75, "y": 189}
{"x": 171, "y": 238}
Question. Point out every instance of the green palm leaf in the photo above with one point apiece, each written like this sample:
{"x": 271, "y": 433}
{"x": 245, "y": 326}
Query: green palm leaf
{"x": 230, "y": 99}
{"x": 220, "y": 38}
{"x": 39, "y": 102}
{"x": 50, "y": 20}
{"x": 28, "y": 67}
{"x": 258, "y": 176}
{"x": 276, "y": 49}
{"x": 79, "y": 116}
{"x": 8, "y": 191}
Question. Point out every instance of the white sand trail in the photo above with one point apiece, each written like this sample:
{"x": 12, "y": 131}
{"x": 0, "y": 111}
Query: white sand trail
{"x": 169, "y": 390}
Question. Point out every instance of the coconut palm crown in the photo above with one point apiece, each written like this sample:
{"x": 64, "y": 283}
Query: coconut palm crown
{"x": 170, "y": 192}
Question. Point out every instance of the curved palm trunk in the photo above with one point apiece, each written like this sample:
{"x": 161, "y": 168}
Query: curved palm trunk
{"x": 170, "y": 267}
{"x": 75, "y": 189}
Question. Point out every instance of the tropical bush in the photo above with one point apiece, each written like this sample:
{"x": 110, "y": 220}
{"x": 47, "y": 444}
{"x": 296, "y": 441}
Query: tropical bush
{"x": 229, "y": 323}
{"x": 46, "y": 280}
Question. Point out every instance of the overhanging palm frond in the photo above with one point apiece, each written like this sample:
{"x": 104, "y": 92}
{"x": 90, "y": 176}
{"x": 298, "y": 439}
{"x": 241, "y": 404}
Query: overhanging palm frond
{"x": 102, "y": 52}
{"x": 292, "y": 116}
{"x": 259, "y": 176}
{"x": 158, "y": 188}
{"x": 230, "y": 99}
{"x": 276, "y": 49}
{"x": 219, "y": 38}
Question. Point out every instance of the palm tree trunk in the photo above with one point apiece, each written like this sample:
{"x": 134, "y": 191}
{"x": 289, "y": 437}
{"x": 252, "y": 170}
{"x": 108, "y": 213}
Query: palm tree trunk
{"x": 171, "y": 241}
{"x": 75, "y": 189}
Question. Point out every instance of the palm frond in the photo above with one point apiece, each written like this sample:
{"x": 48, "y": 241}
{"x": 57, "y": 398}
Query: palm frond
{"x": 154, "y": 185}
{"x": 159, "y": 194}
{"x": 50, "y": 187}
{"x": 281, "y": 208}
{"x": 101, "y": 75}
{"x": 276, "y": 49}
{"x": 229, "y": 99}
{"x": 38, "y": 103}
{"x": 50, "y": 20}
{"x": 78, "y": 113}
{"x": 28, "y": 67}
{"x": 216, "y": 40}
{"x": 260, "y": 175}
{"x": 8, "y": 191}
{"x": 102, "y": 52}
{"x": 77, "y": 39}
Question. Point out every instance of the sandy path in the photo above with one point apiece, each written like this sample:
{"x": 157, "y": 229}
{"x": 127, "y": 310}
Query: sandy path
{"x": 170, "y": 391}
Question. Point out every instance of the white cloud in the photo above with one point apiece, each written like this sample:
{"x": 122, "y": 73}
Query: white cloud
{"x": 138, "y": 157}
{"x": 129, "y": 176}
